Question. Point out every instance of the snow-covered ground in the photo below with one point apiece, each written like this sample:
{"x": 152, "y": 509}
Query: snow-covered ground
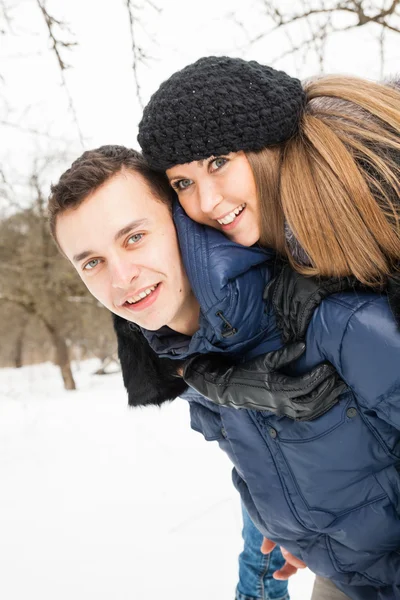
{"x": 99, "y": 501}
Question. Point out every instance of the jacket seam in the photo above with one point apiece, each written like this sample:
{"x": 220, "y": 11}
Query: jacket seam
{"x": 339, "y": 569}
{"x": 335, "y": 299}
{"x": 385, "y": 395}
{"x": 344, "y": 513}
{"x": 353, "y": 312}
{"x": 228, "y": 439}
{"x": 286, "y": 491}
{"x": 323, "y": 433}
{"x": 377, "y": 436}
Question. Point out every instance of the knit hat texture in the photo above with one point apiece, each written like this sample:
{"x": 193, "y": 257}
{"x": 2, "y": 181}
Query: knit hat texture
{"x": 219, "y": 105}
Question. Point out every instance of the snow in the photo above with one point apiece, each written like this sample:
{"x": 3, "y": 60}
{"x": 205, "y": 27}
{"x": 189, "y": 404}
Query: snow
{"x": 102, "y": 501}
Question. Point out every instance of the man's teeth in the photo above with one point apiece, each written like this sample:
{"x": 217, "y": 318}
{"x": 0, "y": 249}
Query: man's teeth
{"x": 142, "y": 295}
{"x": 232, "y": 215}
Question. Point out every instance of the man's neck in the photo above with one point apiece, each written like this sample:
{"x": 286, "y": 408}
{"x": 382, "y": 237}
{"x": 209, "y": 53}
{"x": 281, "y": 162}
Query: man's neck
{"x": 187, "y": 321}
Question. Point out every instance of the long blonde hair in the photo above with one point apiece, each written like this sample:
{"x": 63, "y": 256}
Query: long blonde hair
{"x": 336, "y": 184}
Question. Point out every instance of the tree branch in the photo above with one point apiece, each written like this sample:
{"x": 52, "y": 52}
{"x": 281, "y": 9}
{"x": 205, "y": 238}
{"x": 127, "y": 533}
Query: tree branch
{"x": 5, "y": 18}
{"x": 58, "y": 46}
{"x": 26, "y": 304}
{"x": 324, "y": 29}
{"x": 30, "y": 130}
{"x": 137, "y": 52}
{"x": 139, "y": 56}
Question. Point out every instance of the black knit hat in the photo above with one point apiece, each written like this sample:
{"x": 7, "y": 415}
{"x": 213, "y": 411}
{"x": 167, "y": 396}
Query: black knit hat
{"x": 219, "y": 105}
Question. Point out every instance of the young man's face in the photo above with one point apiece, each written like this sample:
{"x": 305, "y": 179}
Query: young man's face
{"x": 123, "y": 243}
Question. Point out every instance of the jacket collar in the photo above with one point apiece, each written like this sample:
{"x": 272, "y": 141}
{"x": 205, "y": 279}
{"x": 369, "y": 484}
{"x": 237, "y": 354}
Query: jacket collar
{"x": 228, "y": 280}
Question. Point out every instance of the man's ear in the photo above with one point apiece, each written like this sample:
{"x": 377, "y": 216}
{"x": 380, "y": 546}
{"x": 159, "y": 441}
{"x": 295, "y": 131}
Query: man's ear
{"x": 148, "y": 378}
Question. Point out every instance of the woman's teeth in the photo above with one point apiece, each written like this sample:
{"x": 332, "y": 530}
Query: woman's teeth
{"x": 232, "y": 215}
{"x": 142, "y": 295}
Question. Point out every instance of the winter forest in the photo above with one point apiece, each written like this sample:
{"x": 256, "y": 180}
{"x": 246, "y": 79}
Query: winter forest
{"x": 98, "y": 500}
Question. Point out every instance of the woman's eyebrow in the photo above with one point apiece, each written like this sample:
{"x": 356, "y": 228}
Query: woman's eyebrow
{"x": 200, "y": 163}
{"x": 177, "y": 176}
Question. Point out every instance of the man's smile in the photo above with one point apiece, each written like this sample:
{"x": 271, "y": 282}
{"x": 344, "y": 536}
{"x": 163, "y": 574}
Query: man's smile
{"x": 138, "y": 295}
{"x": 143, "y": 299}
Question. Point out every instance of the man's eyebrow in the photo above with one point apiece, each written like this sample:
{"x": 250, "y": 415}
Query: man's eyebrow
{"x": 82, "y": 255}
{"x": 132, "y": 225}
{"x": 129, "y": 227}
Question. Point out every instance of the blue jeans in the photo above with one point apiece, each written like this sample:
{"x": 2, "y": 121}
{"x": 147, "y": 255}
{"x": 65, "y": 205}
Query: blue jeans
{"x": 256, "y": 569}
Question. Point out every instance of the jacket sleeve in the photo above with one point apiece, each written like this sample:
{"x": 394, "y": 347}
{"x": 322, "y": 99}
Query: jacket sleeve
{"x": 370, "y": 359}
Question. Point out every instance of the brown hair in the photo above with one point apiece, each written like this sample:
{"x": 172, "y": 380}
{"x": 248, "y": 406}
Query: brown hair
{"x": 93, "y": 169}
{"x": 336, "y": 184}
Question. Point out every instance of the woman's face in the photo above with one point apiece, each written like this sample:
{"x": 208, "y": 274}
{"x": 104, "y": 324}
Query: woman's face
{"x": 220, "y": 192}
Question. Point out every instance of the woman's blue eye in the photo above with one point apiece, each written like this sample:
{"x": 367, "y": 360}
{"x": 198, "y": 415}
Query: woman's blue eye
{"x": 136, "y": 238}
{"x": 91, "y": 264}
{"x": 219, "y": 162}
{"x": 182, "y": 184}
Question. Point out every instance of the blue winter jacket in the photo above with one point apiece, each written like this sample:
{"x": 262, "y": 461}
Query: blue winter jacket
{"x": 326, "y": 490}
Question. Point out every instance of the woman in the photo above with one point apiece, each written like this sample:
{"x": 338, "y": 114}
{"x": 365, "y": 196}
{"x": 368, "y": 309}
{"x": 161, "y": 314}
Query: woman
{"x": 314, "y": 173}
{"x": 319, "y": 162}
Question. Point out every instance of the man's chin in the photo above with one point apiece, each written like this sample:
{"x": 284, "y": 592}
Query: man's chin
{"x": 150, "y": 325}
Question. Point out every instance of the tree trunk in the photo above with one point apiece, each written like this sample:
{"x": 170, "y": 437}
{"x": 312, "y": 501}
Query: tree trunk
{"x": 19, "y": 346}
{"x": 62, "y": 360}
{"x": 60, "y": 346}
{"x": 62, "y": 356}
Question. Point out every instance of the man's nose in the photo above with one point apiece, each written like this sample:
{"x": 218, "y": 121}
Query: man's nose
{"x": 210, "y": 197}
{"x": 123, "y": 272}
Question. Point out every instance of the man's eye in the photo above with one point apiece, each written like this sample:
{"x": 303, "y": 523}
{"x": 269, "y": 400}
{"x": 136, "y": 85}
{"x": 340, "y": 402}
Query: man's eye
{"x": 135, "y": 238}
{"x": 182, "y": 184}
{"x": 217, "y": 163}
{"x": 91, "y": 264}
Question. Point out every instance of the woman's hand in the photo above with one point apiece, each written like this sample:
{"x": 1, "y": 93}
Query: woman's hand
{"x": 259, "y": 385}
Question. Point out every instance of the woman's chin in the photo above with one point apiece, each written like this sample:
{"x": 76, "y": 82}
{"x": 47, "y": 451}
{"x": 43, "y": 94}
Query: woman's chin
{"x": 244, "y": 238}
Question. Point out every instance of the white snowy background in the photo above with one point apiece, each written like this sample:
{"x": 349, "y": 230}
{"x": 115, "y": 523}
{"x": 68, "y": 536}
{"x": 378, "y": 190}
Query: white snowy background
{"x": 103, "y": 502}
{"x": 98, "y": 501}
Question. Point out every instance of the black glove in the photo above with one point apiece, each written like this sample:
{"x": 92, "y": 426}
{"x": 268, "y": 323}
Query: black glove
{"x": 294, "y": 298}
{"x": 257, "y": 385}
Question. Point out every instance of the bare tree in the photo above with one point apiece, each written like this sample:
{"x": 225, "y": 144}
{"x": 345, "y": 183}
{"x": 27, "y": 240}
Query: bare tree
{"x": 62, "y": 41}
{"x": 322, "y": 19}
{"x": 36, "y": 279}
{"x": 59, "y": 44}
{"x": 5, "y": 21}
{"x": 25, "y": 283}
{"x": 13, "y": 324}
{"x": 139, "y": 54}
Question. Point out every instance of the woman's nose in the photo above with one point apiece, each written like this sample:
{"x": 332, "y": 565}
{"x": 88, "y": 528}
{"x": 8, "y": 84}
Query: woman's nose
{"x": 210, "y": 198}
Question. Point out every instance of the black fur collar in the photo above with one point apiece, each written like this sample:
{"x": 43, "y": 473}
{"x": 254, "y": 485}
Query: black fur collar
{"x": 148, "y": 378}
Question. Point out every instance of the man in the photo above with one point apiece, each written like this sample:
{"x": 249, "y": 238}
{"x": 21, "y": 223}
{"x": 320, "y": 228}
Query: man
{"x": 121, "y": 239}
{"x": 111, "y": 217}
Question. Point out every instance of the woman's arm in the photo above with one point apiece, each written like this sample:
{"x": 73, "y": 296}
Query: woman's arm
{"x": 258, "y": 384}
